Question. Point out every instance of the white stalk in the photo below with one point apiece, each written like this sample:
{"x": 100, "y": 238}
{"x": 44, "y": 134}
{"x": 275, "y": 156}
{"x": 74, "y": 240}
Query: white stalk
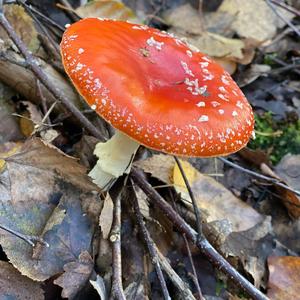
{"x": 115, "y": 159}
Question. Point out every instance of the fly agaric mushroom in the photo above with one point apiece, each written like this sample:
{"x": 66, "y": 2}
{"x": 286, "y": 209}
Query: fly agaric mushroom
{"x": 155, "y": 90}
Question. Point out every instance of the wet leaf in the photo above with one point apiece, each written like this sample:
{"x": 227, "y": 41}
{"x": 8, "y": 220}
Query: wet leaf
{"x": 15, "y": 286}
{"x": 6, "y": 150}
{"x": 107, "y": 9}
{"x": 42, "y": 193}
{"x": 76, "y": 276}
{"x": 284, "y": 278}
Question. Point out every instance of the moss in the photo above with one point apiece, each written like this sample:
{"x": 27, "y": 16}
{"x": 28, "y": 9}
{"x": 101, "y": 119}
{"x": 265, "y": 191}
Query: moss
{"x": 277, "y": 138}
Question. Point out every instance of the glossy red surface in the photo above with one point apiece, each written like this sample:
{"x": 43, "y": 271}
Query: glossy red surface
{"x": 156, "y": 89}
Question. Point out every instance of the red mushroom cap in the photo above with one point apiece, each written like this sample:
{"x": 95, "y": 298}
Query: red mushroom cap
{"x": 156, "y": 89}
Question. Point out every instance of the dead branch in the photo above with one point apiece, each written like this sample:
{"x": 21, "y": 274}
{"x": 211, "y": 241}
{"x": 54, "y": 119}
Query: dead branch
{"x": 117, "y": 291}
{"x": 269, "y": 179}
{"x": 150, "y": 245}
{"x": 204, "y": 246}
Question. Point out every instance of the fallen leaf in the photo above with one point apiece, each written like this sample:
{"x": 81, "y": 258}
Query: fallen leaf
{"x": 7, "y": 150}
{"x": 212, "y": 197}
{"x": 107, "y": 9}
{"x": 9, "y": 124}
{"x": 251, "y": 74}
{"x": 288, "y": 170}
{"x": 186, "y": 24}
{"x": 160, "y": 166}
{"x": 76, "y": 276}
{"x": 23, "y": 26}
{"x": 15, "y": 286}
{"x": 106, "y": 216}
{"x": 284, "y": 278}
{"x": 41, "y": 193}
{"x": 249, "y": 248}
{"x": 253, "y": 19}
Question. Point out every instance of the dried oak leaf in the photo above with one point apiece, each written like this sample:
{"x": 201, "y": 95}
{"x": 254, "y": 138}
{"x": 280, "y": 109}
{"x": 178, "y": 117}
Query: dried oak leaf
{"x": 15, "y": 286}
{"x": 76, "y": 276}
{"x": 284, "y": 278}
{"x": 43, "y": 192}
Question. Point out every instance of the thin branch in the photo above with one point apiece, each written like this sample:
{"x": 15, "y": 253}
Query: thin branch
{"x": 269, "y": 179}
{"x": 286, "y": 7}
{"x": 204, "y": 246}
{"x": 44, "y": 78}
{"x": 181, "y": 286}
{"x": 30, "y": 239}
{"x": 196, "y": 208}
{"x": 117, "y": 291}
{"x": 283, "y": 18}
{"x": 195, "y": 276}
{"x": 150, "y": 245}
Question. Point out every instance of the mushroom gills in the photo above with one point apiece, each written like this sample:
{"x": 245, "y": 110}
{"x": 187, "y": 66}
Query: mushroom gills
{"x": 115, "y": 159}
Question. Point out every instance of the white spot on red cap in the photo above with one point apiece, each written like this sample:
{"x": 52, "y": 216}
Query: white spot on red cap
{"x": 80, "y": 51}
{"x": 203, "y": 118}
{"x": 153, "y": 43}
{"x": 201, "y": 104}
{"x": 221, "y": 111}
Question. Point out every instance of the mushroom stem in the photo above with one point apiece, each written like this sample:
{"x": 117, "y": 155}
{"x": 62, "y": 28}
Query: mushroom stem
{"x": 115, "y": 158}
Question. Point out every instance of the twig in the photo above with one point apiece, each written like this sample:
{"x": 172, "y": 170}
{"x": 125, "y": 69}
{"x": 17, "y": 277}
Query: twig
{"x": 272, "y": 180}
{"x": 44, "y": 78}
{"x": 117, "y": 291}
{"x": 204, "y": 246}
{"x": 195, "y": 206}
{"x": 30, "y": 239}
{"x": 56, "y": 51}
{"x": 283, "y": 18}
{"x": 181, "y": 286}
{"x": 286, "y": 7}
{"x": 195, "y": 276}
{"x": 150, "y": 245}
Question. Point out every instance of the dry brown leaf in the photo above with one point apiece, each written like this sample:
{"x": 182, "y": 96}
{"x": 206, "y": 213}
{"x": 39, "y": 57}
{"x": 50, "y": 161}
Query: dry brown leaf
{"x": 23, "y": 25}
{"x": 15, "y": 286}
{"x": 76, "y": 276}
{"x": 107, "y": 9}
{"x": 253, "y": 73}
{"x": 187, "y": 25}
{"x": 106, "y": 216}
{"x": 7, "y": 150}
{"x": 253, "y": 19}
{"x": 160, "y": 166}
{"x": 284, "y": 278}
{"x": 218, "y": 202}
{"x": 41, "y": 192}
